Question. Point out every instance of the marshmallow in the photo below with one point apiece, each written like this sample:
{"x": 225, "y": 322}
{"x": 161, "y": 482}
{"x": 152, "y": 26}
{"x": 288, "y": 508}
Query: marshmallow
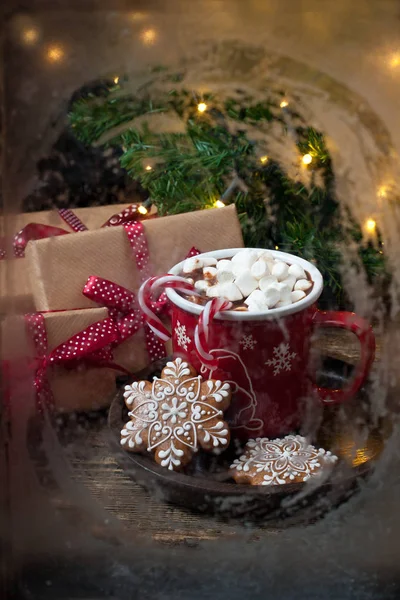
{"x": 224, "y": 265}
{"x": 208, "y": 261}
{"x": 280, "y": 270}
{"x": 239, "y": 269}
{"x": 266, "y": 256}
{"x": 297, "y": 271}
{"x": 256, "y": 298}
{"x": 272, "y": 296}
{"x": 290, "y": 281}
{"x": 230, "y": 291}
{"x": 225, "y": 276}
{"x": 213, "y": 291}
{"x": 245, "y": 258}
{"x": 209, "y": 272}
{"x": 190, "y": 280}
{"x": 192, "y": 264}
{"x": 303, "y": 285}
{"x": 284, "y": 291}
{"x": 297, "y": 295}
{"x": 259, "y": 269}
{"x": 282, "y": 303}
{"x": 201, "y": 285}
{"x": 246, "y": 283}
{"x": 265, "y": 282}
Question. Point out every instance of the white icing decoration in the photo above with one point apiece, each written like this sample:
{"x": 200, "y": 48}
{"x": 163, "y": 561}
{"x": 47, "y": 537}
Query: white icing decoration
{"x": 282, "y": 359}
{"x": 282, "y": 459}
{"x": 182, "y": 338}
{"x": 177, "y": 368}
{"x": 217, "y": 390}
{"x": 174, "y": 411}
{"x": 217, "y": 434}
{"x": 248, "y": 342}
{"x": 135, "y": 390}
{"x": 131, "y": 434}
{"x": 172, "y": 457}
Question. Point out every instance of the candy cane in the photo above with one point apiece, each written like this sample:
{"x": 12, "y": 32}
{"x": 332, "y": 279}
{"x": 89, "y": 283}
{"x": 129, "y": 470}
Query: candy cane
{"x": 148, "y": 288}
{"x": 202, "y": 331}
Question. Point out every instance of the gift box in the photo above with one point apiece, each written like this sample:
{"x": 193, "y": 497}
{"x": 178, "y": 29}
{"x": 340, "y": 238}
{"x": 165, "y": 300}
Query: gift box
{"x": 60, "y": 267}
{"x": 80, "y": 385}
{"x": 15, "y": 289}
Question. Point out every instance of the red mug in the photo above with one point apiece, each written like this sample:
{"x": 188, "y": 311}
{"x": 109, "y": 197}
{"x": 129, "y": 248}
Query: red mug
{"x": 265, "y": 356}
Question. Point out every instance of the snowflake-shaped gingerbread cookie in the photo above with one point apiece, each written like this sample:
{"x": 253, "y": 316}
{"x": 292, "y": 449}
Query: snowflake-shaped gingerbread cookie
{"x": 288, "y": 460}
{"x": 175, "y": 415}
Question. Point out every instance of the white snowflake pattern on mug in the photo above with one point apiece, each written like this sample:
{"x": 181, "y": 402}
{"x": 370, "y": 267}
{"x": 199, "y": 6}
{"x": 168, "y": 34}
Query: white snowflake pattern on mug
{"x": 282, "y": 358}
{"x": 182, "y": 339}
{"x": 248, "y": 342}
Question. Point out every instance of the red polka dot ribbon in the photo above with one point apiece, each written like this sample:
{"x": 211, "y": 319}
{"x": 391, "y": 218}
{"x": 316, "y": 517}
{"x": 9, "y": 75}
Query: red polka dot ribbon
{"x": 72, "y": 220}
{"x": 37, "y": 231}
{"x": 91, "y": 345}
{"x": 34, "y": 231}
{"x": 121, "y": 302}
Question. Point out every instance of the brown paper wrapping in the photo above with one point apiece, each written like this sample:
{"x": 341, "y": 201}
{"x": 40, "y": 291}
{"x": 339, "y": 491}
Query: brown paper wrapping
{"x": 15, "y": 289}
{"x": 84, "y": 388}
{"x": 132, "y": 354}
{"x": 60, "y": 267}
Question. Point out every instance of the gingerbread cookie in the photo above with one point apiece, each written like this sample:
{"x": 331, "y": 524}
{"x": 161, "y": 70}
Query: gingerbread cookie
{"x": 172, "y": 416}
{"x": 287, "y": 460}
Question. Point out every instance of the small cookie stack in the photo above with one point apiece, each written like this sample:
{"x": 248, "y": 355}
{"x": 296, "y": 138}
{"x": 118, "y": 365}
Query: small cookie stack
{"x": 252, "y": 276}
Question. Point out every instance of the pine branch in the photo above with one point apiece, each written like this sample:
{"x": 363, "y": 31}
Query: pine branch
{"x": 198, "y": 158}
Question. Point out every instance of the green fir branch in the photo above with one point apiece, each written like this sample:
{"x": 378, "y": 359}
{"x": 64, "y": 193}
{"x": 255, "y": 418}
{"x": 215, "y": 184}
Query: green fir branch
{"x": 207, "y": 159}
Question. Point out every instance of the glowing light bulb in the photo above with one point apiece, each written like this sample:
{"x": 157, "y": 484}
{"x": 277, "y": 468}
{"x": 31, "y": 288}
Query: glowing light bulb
{"x": 148, "y": 167}
{"x": 264, "y": 159}
{"x": 395, "y": 60}
{"x": 30, "y": 36}
{"x": 284, "y": 104}
{"x": 382, "y": 191}
{"x": 307, "y": 159}
{"x": 55, "y": 53}
{"x": 370, "y": 225}
{"x": 116, "y": 80}
{"x": 276, "y": 247}
{"x": 219, "y": 204}
{"x": 148, "y": 36}
{"x": 202, "y": 107}
{"x": 143, "y": 210}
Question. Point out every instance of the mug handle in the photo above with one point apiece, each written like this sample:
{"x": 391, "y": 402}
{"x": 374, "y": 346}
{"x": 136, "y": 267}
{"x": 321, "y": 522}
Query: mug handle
{"x": 363, "y": 330}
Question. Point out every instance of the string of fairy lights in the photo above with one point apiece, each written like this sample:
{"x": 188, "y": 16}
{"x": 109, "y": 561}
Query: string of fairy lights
{"x": 370, "y": 224}
{"x": 56, "y": 53}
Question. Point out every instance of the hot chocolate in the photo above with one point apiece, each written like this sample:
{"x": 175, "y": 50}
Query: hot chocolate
{"x": 253, "y": 280}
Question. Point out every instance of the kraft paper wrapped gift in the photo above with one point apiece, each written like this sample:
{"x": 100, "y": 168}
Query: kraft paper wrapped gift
{"x": 15, "y": 288}
{"x": 59, "y": 267}
{"x": 80, "y": 389}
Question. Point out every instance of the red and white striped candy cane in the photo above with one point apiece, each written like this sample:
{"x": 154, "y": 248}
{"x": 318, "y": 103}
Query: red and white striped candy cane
{"x": 202, "y": 331}
{"x": 150, "y": 287}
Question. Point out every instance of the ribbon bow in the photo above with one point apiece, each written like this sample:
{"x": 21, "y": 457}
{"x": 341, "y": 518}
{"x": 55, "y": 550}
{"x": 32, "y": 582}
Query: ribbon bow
{"x": 37, "y": 231}
{"x": 92, "y": 345}
{"x": 121, "y": 302}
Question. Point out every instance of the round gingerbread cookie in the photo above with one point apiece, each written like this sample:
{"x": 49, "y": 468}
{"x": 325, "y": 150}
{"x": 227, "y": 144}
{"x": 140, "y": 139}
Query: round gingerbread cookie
{"x": 273, "y": 462}
{"x": 175, "y": 415}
